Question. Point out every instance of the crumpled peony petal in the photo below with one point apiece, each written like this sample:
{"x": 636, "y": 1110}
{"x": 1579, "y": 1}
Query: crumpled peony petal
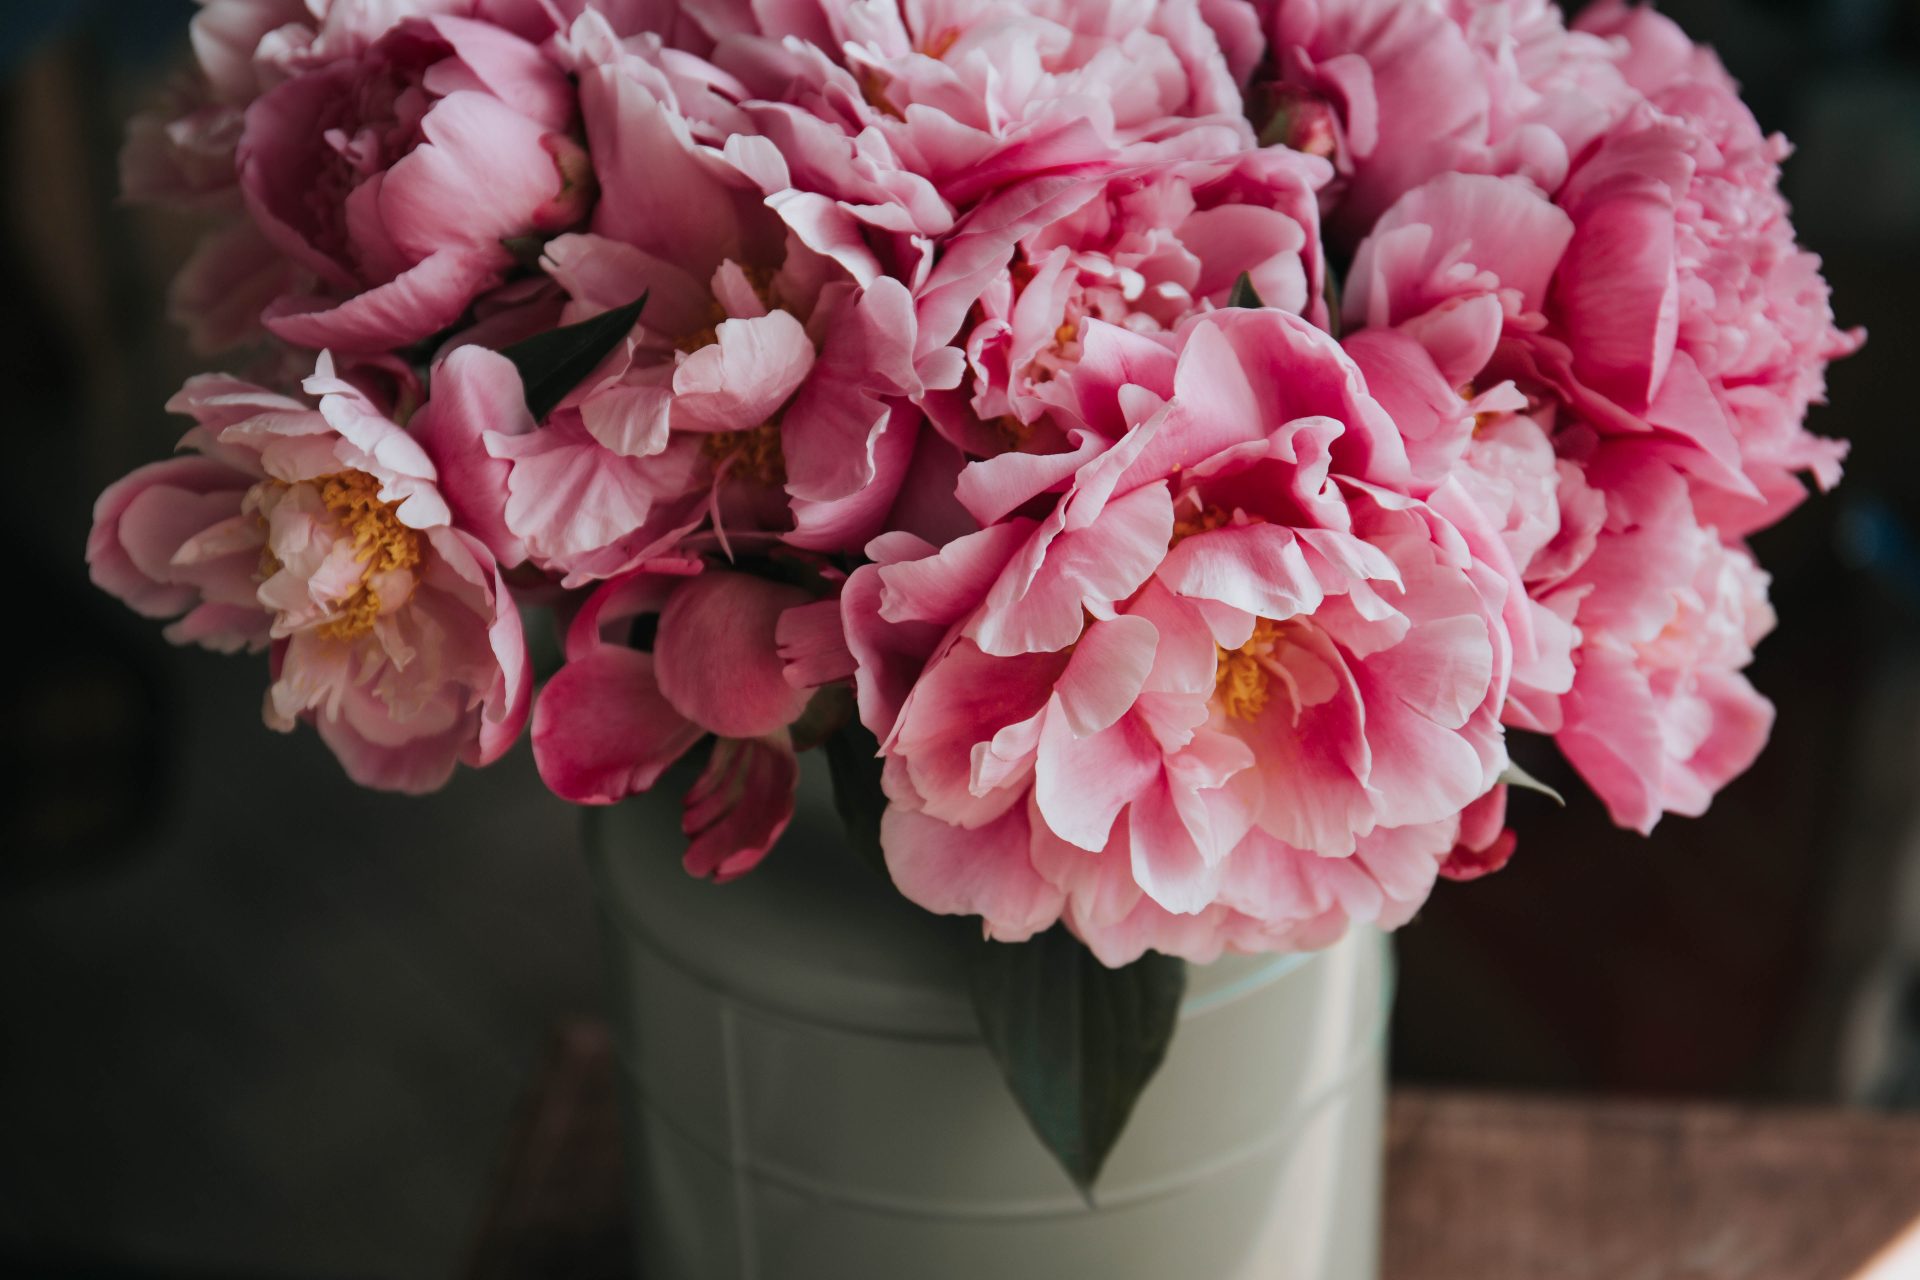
{"x": 602, "y": 730}
{"x": 739, "y": 806}
{"x": 718, "y": 659}
{"x": 476, "y": 393}
{"x": 741, "y": 379}
{"x": 985, "y": 871}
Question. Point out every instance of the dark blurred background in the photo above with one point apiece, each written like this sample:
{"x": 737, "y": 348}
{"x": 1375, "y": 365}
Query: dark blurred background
{"x": 254, "y": 1021}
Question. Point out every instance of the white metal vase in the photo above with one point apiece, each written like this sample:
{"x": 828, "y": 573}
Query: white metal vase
{"x": 807, "y": 1097}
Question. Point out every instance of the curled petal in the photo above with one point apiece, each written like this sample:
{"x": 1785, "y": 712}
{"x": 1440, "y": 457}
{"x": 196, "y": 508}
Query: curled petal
{"x": 718, "y": 655}
{"x": 740, "y": 805}
{"x": 602, "y": 731}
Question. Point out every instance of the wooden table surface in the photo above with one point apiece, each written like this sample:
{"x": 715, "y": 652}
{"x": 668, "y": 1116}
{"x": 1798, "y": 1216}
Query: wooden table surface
{"x": 1479, "y": 1187}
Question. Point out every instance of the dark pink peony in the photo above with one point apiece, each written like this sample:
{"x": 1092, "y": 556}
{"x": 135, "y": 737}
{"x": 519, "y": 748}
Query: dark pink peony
{"x": 395, "y": 177}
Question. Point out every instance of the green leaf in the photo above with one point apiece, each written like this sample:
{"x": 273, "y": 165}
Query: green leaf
{"x": 1077, "y": 1041}
{"x": 1515, "y": 776}
{"x": 1243, "y": 294}
{"x": 853, "y": 757}
{"x": 555, "y": 362}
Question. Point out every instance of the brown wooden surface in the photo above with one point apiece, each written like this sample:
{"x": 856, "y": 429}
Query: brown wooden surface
{"x": 1480, "y": 1187}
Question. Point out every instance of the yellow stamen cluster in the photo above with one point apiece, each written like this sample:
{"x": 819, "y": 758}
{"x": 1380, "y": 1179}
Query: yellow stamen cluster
{"x": 1241, "y": 676}
{"x": 1203, "y": 520}
{"x": 754, "y": 454}
{"x": 381, "y": 545}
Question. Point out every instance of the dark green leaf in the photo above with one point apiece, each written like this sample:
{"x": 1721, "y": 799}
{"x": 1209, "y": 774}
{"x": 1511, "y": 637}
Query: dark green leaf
{"x": 1243, "y": 294}
{"x": 1077, "y": 1041}
{"x": 555, "y": 362}
{"x": 853, "y": 756}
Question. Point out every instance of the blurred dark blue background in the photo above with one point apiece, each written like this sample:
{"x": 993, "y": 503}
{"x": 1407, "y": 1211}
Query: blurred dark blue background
{"x": 258, "y": 1022}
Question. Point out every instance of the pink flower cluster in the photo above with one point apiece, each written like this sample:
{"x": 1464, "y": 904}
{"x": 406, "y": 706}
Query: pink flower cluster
{"x": 1188, "y": 436}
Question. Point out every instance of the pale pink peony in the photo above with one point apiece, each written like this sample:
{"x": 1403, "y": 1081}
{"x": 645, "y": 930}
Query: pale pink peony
{"x": 1143, "y": 248}
{"x": 1659, "y": 717}
{"x": 1659, "y": 294}
{"x": 1596, "y": 534}
{"x": 396, "y": 177}
{"x": 1226, "y": 692}
{"x": 615, "y": 718}
{"x": 1665, "y": 337}
{"x": 971, "y": 96}
{"x": 1684, "y": 291}
{"x": 322, "y": 533}
{"x": 1400, "y": 91}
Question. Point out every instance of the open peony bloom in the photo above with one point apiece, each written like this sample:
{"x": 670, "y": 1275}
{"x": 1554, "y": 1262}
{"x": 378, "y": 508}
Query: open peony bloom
{"x": 396, "y": 176}
{"x": 1659, "y": 717}
{"x": 758, "y": 388}
{"x": 1662, "y": 337}
{"x": 964, "y": 97}
{"x": 1143, "y": 248}
{"x": 1226, "y": 692}
{"x": 615, "y": 718}
{"x": 1400, "y": 91}
{"x": 321, "y": 532}
{"x": 1684, "y": 295}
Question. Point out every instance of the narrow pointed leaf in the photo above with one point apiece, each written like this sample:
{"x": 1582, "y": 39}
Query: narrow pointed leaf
{"x": 1515, "y": 776}
{"x": 1243, "y": 294}
{"x": 1077, "y": 1041}
{"x": 553, "y": 363}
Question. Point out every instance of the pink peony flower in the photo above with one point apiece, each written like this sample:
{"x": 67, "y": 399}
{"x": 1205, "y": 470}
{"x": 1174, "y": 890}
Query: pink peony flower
{"x": 1684, "y": 294}
{"x": 615, "y": 718}
{"x": 1665, "y": 337}
{"x": 1659, "y": 294}
{"x": 762, "y": 387}
{"x": 1658, "y": 718}
{"x": 1401, "y": 91}
{"x": 1601, "y": 545}
{"x": 396, "y": 175}
{"x": 971, "y": 97}
{"x": 184, "y": 154}
{"x": 1143, "y": 248}
{"x": 1225, "y": 676}
{"x": 322, "y": 532}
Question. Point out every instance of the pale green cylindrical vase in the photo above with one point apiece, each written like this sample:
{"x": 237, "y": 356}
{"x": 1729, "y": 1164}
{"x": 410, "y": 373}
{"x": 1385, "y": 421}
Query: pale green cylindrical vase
{"x": 807, "y": 1097}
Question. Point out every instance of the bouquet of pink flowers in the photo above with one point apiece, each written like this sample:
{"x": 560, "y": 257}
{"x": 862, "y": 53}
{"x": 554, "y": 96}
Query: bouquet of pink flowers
{"x": 1159, "y": 450}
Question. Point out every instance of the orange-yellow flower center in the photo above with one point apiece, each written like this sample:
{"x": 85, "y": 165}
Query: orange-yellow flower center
{"x": 753, "y": 454}
{"x": 1199, "y": 520}
{"x": 381, "y": 545}
{"x": 936, "y": 47}
{"x": 1241, "y": 676}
